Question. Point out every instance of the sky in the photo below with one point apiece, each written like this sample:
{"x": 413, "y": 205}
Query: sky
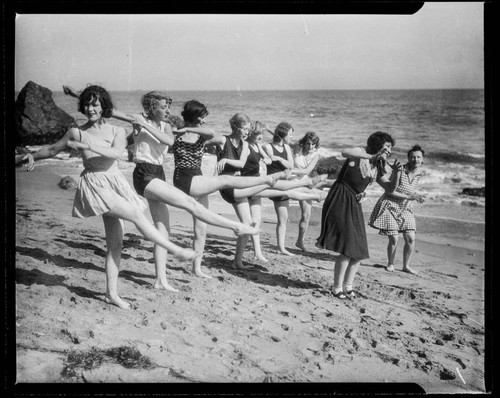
{"x": 441, "y": 46}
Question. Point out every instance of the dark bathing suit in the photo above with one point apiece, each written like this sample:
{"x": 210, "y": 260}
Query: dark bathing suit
{"x": 229, "y": 152}
{"x": 144, "y": 173}
{"x": 187, "y": 161}
{"x": 276, "y": 167}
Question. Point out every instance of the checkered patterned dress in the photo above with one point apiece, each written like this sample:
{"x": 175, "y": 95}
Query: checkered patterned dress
{"x": 392, "y": 215}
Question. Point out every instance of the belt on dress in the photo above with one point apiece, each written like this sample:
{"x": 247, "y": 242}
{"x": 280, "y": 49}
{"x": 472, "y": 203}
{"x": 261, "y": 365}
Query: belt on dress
{"x": 360, "y": 197}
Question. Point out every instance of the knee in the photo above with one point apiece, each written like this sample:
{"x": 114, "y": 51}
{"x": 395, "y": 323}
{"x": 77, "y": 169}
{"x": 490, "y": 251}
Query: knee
{"x": 225, "y": 180}
{"x": 190, "y": 203}
{"x": 393, "y": 240}
{"x": 256, "y": 220}
{"x": 410, "y": 240}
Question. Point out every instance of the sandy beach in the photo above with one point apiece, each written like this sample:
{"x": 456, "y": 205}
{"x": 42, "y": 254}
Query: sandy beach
{"x": 276, "y": 322}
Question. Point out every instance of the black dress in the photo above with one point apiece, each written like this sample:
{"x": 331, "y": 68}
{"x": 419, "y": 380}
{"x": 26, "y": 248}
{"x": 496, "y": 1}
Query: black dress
{"x": 342, "y": 223}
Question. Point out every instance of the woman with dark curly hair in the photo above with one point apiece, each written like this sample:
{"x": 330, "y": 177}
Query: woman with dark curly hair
{"x": 102, "y": 189}
{"x": 342, "y": 223}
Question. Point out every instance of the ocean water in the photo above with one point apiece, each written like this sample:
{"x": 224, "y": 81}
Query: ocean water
{"x": 448, "y": 124}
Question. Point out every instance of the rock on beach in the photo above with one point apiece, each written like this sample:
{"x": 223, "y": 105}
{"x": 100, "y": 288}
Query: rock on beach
{"x": 39, "y": 121}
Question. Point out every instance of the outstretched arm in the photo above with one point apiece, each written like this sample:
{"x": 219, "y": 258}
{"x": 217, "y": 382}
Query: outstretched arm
{"x": 310, "y": 167}
{"x": 54, "y": 149}
{"x": 204, "y": 132}
{"x": 114, "y": 152}
{"x": 164, "y": 137}
{"x": 68, "y": 90}
{"x": 26, "y": 158}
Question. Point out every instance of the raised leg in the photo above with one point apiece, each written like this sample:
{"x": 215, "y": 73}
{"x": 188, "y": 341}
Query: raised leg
{"x": 163, "y": 192}
{"x": 126, "y": 211}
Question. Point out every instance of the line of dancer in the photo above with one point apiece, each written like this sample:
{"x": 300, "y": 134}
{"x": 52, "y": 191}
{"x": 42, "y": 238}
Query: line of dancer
{"x": 102, "y": 189}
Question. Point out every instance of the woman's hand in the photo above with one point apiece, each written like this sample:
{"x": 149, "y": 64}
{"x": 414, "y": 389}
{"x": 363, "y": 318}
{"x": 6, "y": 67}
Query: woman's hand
{"x": 220, "y": 166}
{"x": 30, "y": 162}
{"x": 420, "y": 198}
{"x": 396, "y": 165}
{"x": 137, "y": 124}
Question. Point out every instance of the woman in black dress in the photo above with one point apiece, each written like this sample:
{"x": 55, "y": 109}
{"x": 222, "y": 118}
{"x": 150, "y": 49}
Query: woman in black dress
{"x": 342, "y": 222}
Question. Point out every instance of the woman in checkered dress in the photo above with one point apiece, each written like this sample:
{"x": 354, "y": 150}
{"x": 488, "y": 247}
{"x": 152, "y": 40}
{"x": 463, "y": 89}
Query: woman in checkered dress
{"x": 393, "y": 212}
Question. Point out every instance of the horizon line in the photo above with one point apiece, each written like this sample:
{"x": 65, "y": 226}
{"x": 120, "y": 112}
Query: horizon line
{"x": 295, "y": 89}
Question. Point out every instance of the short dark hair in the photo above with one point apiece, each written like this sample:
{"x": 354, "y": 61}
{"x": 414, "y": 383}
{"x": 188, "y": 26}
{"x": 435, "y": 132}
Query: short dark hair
{"x": 415, "y": 148}
{"x": 377, "y": 140}
{"x": 193, "y": 110}
{"x": 92, "y": 93}
{"x": 281, "y": 131}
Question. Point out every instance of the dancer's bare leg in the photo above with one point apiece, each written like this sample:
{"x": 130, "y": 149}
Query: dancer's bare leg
{"x": 391, "y": 252}
{"x": 305, "y": 208}
{"x": 113, "y": 228}
{"x": 126, "y": 211}
{"x": 296, "y": 194}
{"x": 409, "y": 237}
{"x": 281, "y": 209}
{"x": 242, "y": 209}
{"x": 200, "y": 235}
{"x": 205, "y": 185}
{"x": 256, "y": 213}
{"x": 164, "y": 192}
{"x": 161, "y": 218}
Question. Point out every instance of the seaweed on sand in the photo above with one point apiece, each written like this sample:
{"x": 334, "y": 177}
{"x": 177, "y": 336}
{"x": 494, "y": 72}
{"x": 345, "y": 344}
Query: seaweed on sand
{"x": 128, "y": 357}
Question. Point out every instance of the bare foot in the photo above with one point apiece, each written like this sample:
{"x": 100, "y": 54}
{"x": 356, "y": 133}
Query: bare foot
{"x": 164, "y": 285}
{"x": 301, "y": 246}
{"x": 390, "y": 268}
{"x": 320, "y": 194}
{"x": 285, "y": 252}
{"x": 201, "y": 274}
{"x": 282, "y": 175}
{"x": 117, "y": 301}
{"x": 244, "y": 229}
{"x": 319, "y": 180}
{"x": 410, "y": 271}
{"x": 260, "y": 258}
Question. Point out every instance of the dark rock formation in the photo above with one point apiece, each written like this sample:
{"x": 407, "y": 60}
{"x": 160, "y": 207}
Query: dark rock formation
{"x": 67, "y": 183}
{"x": 474, "y": 191}
{"x": 39, "y": 121}
{"x": 330, "y": 166}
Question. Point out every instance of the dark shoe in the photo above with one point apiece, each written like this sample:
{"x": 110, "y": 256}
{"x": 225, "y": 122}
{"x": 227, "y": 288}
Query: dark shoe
{"x": 340, "y": 295}
{"x": 351, "y": 294}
